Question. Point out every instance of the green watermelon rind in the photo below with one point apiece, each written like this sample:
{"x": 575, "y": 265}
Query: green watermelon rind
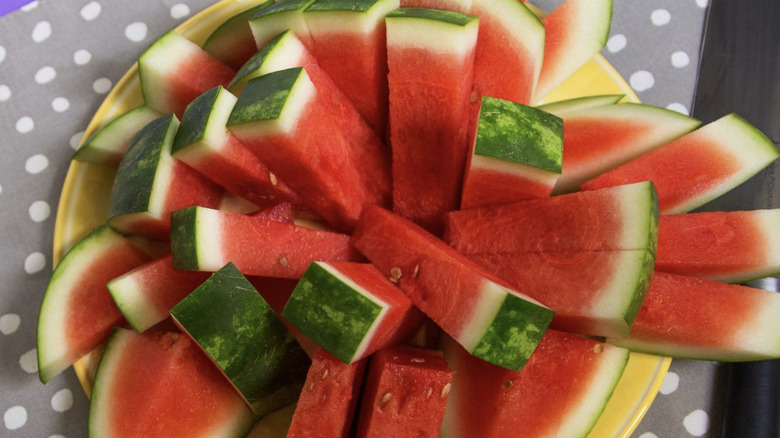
{"x": 110, "y": 362}
{"x": 144, "y": 175}
{"x": 338, "y": 314}
{"x": 51, "y": 347}
{"x": 520, "y": 134}
{"x": 225, "y": 35}
{"x": 561, "y": 107}
{"x": 243, "y": 336}
{"x": 281, "y": 53}
{"x": 202, "y": 128}
{"x": 353, "y": 16}
{"x": 269, "y": 22}
{"x": 110, "y": 142}
{"x": 195, "y": 239}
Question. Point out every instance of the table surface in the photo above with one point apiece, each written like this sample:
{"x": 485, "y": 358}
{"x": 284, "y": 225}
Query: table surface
{"x": 58, "y": 60}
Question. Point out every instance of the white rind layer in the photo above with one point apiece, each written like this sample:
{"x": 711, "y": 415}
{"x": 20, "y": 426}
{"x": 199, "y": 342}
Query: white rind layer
{"x": 532, "y": 173}
{"x": 433, "y": 36}
{"x": 323, "y": 22}
{"x": 288, "y": 52}
{"x": 615, "y": 299}
{"x": 638, "y": 210}
{"x": 269, "y": 25}
{"x": 208, "y": 240}
{"x": 128, "y": 295}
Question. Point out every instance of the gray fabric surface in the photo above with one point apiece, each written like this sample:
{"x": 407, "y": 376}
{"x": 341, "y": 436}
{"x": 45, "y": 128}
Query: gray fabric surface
{"x": 35, "y": 160}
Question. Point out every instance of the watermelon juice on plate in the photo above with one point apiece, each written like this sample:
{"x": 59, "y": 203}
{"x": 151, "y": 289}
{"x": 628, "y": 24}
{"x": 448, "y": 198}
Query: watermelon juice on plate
{"x": 86, "y": 192}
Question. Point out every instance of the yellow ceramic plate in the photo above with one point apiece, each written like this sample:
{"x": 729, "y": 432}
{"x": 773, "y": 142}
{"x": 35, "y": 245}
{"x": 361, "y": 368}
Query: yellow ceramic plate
{"x": 85, "y": 194}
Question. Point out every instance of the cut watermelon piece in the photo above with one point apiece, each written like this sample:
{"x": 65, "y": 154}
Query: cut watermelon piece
{"x": 698, "y": 167}
{"x": 694, "y": 318}
{"x": 431, "y": 58}
{"x": 510, "y": 50}
{"x": 285, "y": 121}
{"x": 173, "y": 71}
{"x": 734, "y": 247}
{"x": 350, "y": 309}
{"x": 562, "y": 107}
{"x": 205, "y": 239}
{"x": 598, "y": 139}
{"x": 329, "y": 398}
{"x": 110, "y": 142}
{"x": 517, "y": 154}
{"x": 405, "y": 393}
{"x": 371, "y": 157}
{"x": 204, "y": 143}
{"x": 596, "y": 293}
{"x": 561, "y": 392}
{"x": 575, "y": 32}
{"x": 269, "y": 22}
{"x": 146, "y": 294}
{"x": 77, "y": 313}
{"x": 161, "y": 384}
{"x": 233, "y": 42}
{"x": 624, "y": 218}
{"x": 348, "y": 40}
{"x": 150, "y": 184}
{"x": 491, "y": 320}
{"x": 240, "y": 332}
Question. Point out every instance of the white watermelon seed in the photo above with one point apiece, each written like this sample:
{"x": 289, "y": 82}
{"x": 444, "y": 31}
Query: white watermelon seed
{"x": 508, "y": 384}
{"x": 446, "y": 390}
{"x": 395, "y": 274}
{"x": 325, "y": 374}
{"x": 283, "y": 261}
{"x": 598, "y": 348}
{"x": 385, "y": 398}
{"x": 273, "y": 179}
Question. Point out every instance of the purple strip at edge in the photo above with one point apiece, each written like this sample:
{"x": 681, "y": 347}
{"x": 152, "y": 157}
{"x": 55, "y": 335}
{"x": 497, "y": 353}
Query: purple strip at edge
{"x": 7, "y": 6}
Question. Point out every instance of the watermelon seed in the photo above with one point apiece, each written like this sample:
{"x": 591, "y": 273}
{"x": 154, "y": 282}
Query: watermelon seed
{"x": 445, "y": 390}
{"x": 283, "y": 261}
{"x": 416, "y": 271}
{"x": 598, "y": 348}
{"x": 325, "y": 374}
{"x": 311, "y": 386}
{"x": 473, "y": 97}
{"x": 273, "y": 179}
{"x": 429, "y": 392}
{"x": 508, "y": 384}
{"x": 417, "y": 360}
{"x": 385, "y": 398}
{"x": 395, "y": 274}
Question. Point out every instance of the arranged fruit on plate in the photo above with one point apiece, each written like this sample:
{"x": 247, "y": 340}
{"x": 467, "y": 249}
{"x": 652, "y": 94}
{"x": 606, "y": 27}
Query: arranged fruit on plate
{"x": 363, "y": 218}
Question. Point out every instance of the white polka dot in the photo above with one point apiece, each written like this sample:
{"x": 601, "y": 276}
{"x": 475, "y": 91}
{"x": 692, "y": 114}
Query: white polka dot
{"x": 648, "y": 435}
{"x": 34, "y": 262}
{"x": 45, "y": 74}
{"x": 179, "y": 10}
{"x": 670, "y": 383}
{"x": 75, "y": 140}
{"x": 9, "y": 323}
{"x": 82, "y": 57}
{"x": 57, "y": 436}
{"x": 90, "y": 11}
{"x": 642, "y": 80}
{"x": 680, "y": 108}
{"x": 136, "y": 31}
{"x": 30, "y": 6}
{"x": 680, "y": 59}
{"x": 2, "y": 53}
{"x": 29, "y": 361}
{"x": 660, "y": 17}
{"x": 616, "y": 43}
{"x": 41, "y": 31}
{"x": 60, "y": 104}
{"x": 25, "y": 125}
{"x": 697, "y": 423}
{"x": 36, "y": 164}
{"x": 15, "y": 417}
{"x": 62, "y": 400}
{"x": 702, "y": 3}
{"x": 5, "y": 93}
{"x": 1, "y": 189}
{"x": 102, "y": 85}
{"x": 39, "y": 211}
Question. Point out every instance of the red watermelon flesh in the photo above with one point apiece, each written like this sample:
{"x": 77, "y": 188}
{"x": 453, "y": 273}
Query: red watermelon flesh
{"x": 698, "y": 166}
{"x": 161, "y": 384}
{"x": 174, "y": 71}
{"x": 429, "y": 95}
{"x": 77, "y": 313}
{"x": 734, "y": 246}
{"x": 282, "y": 212}
{"x": 146, "y": 294}
{"x": 509, "y": 52}
{"x": 624, "y": 218}
{"x": 329, "y": 397}
{"x": 684, "y": 316}
{"x": 560, "y": 392}
{"x": 205, "y": 239}
{"x": 493, "y": 184}
{"x": 596, "y": 293}
{"x": 405, "y": 393}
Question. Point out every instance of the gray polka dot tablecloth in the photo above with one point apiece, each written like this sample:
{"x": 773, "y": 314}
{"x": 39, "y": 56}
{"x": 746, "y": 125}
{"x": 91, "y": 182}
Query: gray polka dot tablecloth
{"x": 59, "y": 59}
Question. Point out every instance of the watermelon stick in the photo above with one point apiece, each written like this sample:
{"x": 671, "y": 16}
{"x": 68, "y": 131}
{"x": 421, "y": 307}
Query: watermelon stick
{"x": 491, "y": 320}
{"x": 233, "y": 42}
{"x": 240, "y": 332}
{"x": 111, "y": 141}
{"x": 694, "y": 318}
{"x": 431, "y": 60}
